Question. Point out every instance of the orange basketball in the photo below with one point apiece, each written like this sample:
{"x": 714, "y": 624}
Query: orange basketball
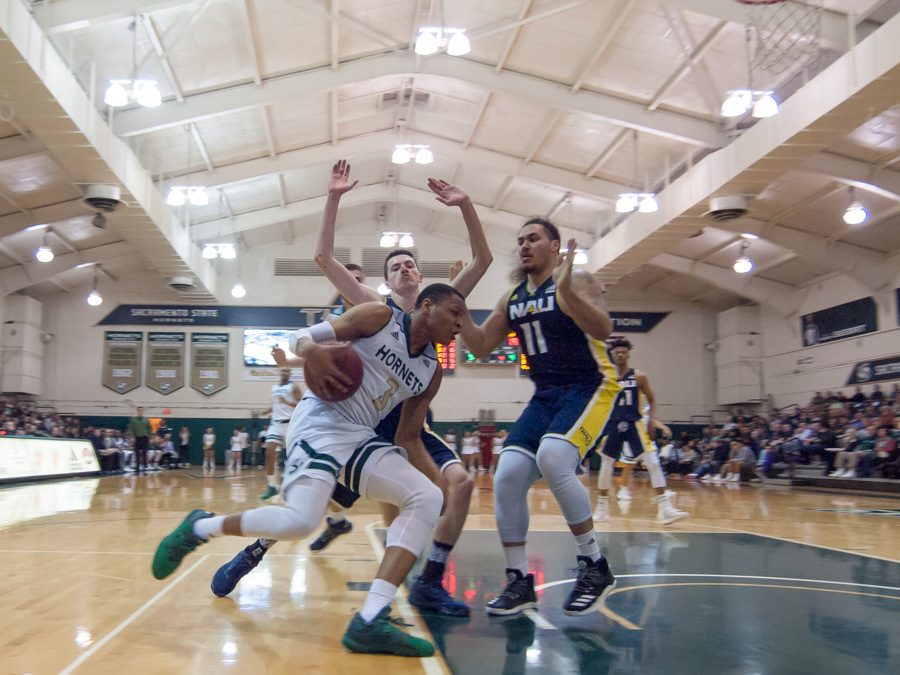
{"x": 348, "y": 362}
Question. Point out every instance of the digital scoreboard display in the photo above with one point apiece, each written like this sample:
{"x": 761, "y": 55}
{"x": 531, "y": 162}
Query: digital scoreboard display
{"x": 507, "y": 354}
{"x": 447, "y": 357}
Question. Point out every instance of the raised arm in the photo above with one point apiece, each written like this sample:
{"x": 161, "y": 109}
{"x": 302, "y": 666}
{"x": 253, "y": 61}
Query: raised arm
{"x": 592, "y": 320}
{"x": 481, "y": 340}
{"x": 409, "y": 432}
{"x": 340, "y": 277}
{"x": 451, "y": 195}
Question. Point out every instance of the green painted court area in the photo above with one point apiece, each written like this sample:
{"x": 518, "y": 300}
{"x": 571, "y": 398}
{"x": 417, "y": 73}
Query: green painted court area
{"x": 684, "y": 603}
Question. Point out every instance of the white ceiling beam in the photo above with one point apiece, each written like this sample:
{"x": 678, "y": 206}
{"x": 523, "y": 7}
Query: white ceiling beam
{"x": 541, "y": 134}
{"x": 603, "y": 40}
{"x": 488, "y": 31}
{"x": 267, "y": 129}
{"x": 778, "y": 296}
{"x": 870, "y": 267}
{"x": 511, "y": 39}
{"x": 361, "y": 195}
{"x": 382, "y": 143}
{"x": 16, "y": 222}
{"x": 862, "y": 175}
{"x": 17, "y": 277}
{"x": 161, "y": 56}
{"x": 249, "y": 23}
{"x": 61, "y": 17}
{"x": 351, "y": 22}
{"x": 470, "y": 134}
{"x": 334, "y": 34}
{"x": 502, "y": 191}
{"x": 608, "y": 152}
{"x": 201, "y": 146}
{"x": 693, "y": 61}
{"x": 609, "y": 108}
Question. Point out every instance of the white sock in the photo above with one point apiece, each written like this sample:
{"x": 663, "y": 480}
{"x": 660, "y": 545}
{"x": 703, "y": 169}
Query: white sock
{"x": 270, "y": 480}
{"x": 338, "y": 516}
{"x": 381, "y": 593}
{"x": 588, "y": 545}
{"x": 516, "y": 559}
{"x": 209, "y": 527}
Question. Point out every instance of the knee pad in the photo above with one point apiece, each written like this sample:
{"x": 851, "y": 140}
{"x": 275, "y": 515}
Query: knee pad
{"x": 651, "y": 461}
{"x": 419, "y": 513}
{"x": 557, "y": 460}
{"x": 604, "y": 480}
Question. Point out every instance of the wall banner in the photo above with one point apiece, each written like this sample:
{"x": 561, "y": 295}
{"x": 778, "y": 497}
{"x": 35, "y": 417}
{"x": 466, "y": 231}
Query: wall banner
{"x": 122, "y": 360}
{"x": 165, "y": 362}
{"x": 209, "y": 362}
{"x": 875, "y": 371}
{"x": 836, "y": 323}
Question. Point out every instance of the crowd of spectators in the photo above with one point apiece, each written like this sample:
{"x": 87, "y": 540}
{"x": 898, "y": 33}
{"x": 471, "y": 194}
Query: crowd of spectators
{"x": 843, "y": 436}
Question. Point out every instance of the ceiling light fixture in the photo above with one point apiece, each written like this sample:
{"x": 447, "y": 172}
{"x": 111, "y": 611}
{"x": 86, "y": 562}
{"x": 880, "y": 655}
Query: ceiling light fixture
{"x": 144, "y": 92}
{"x": 393, "y": 239}
{"x": 750, "y": 236}
{"x": 44, "y": 253}
{"x": 225, "y": 251}
{"x": 383, "y": 288}
{"x": 403, "y": 152}
{"x": 238, "y": 290}
{"x": 94, "y": 298}
{"x": 644, "y": 202}
{"x": 432, "y": 38}
{"x": 743, "y": 264}
{"x": 581, "y": 257}
{"x": 760, "y": 102}
{"x": 855, "y": 213}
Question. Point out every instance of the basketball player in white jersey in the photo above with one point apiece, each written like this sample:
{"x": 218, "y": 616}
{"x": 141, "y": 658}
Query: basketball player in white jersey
{"x": 327, "y": 440}
{"x": 285, "y": 397}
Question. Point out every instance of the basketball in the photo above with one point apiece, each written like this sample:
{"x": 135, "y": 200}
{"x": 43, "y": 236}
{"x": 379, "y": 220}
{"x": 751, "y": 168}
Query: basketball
{"x": 348, "y": 362}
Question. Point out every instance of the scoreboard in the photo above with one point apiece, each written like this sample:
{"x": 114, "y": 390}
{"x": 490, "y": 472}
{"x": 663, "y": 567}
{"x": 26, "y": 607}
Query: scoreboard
{"x": 447, "y": 357}
{"x": 507, "y": 354}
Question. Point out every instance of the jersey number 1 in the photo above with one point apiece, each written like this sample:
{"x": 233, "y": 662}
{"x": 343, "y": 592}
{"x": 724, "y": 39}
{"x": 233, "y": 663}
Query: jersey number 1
{"x": 532, "y": 333}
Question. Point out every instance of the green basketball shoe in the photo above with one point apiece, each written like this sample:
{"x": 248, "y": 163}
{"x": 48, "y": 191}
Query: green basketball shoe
{"x": 172, "y": 550}
{"x": 382, "y": 636}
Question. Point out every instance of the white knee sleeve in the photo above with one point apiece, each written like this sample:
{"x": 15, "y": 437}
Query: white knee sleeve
{"x": 651, "y": 461}
{"x": 395, "y": 481}
{"x": 305, "y": 504}
{"x": 515, "y": 473}
{"x": 604, "y": 479}
{"x": 557, "y": 460}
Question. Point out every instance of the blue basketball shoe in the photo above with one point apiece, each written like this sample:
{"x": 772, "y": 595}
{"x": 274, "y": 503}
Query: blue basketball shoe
{"x": 229, "y": 574}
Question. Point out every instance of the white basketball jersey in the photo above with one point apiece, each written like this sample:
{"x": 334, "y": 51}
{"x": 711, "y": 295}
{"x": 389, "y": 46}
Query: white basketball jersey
{"x": 390, "y": 374}
{"x": 281, "y": 393}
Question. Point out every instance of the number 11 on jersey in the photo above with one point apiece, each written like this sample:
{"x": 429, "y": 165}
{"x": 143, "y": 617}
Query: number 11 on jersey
{"x": 532, "y": 333}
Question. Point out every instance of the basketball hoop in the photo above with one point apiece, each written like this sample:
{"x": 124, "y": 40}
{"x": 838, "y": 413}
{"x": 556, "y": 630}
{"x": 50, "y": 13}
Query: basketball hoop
{"x": 786, "y": 33}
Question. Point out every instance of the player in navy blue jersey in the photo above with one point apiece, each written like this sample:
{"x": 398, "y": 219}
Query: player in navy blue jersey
{"x": 401, "y": 274}
{"x": 561, "y": 334}
{"x": 628, "y": 437}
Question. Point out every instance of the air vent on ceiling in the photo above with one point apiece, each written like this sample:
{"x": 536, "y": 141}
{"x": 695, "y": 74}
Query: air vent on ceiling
{"x": 307, "y": 267}
{"x": 727, "y": 207}
{"x": 392, "y": 99}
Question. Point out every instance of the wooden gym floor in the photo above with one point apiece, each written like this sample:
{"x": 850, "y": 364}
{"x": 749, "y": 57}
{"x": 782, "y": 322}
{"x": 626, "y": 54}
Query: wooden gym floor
{"x": 756, "y": 580}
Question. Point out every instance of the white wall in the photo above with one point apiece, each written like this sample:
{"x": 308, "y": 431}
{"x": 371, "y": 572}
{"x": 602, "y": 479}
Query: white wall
{"x": 793, "y": 373}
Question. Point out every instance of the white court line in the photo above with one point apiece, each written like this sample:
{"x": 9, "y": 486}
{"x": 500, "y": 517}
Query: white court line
{"x": 728, "y": 576}
{"x": 432, "y": 665}
{"x": 122, "y": 626}
{"x": 538, "y": 620}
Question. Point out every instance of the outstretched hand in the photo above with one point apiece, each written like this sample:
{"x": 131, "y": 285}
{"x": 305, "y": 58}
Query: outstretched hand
{"x": 447, "y": 194}
{"x": 562, "y": 275}
{"x": 339, "y": 183}
{"x": 280, "y": 356}
{"x": 455, "y": 269}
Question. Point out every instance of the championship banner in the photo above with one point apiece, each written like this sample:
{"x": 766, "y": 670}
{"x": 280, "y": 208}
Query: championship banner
{"x": 224, "y": 315}
{"x": 875, "y": 371}
{"x": 209, "y": 362}
{"x": 836, "y": 323}
{"x": 165, "y": 362}
{"x": 122, "y": 361}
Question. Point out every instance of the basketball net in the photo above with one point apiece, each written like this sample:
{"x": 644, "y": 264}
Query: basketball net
{"x": 786, "y": 33}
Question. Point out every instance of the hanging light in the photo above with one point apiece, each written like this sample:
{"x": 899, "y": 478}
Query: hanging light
{"x": 146, "y": 93}
{"x": 750, "y": 236}
{"x": 428, "y": 41}
{"x": 648, "y": 204}
{"x": 855, "y": 213}
{"x": 743, "y": 264}
{"x": 388, "y": 240}
{"x": 383, "y": 288}
{"x": 94, "y": 298}
{"x": 401, "y": 155}
{"x": 198, "y": 196}
{"x": 765, "y": 106}
{"x": 116, "y": 95}
{"x": 238, "y": 290}
{"x": 580, "y": 257}
{"x": 737, "y": 103}
{"x": 227, "y": 252}
{"x": 424, "y": 155}
{"x": 407, "y": 241}
{"x": 44, "y": 253}
{"x": 210, "y": 252}
{"x": 175, "y": 196}
{"x": 459, "y": 43}
{"x": 626, "y": 203}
